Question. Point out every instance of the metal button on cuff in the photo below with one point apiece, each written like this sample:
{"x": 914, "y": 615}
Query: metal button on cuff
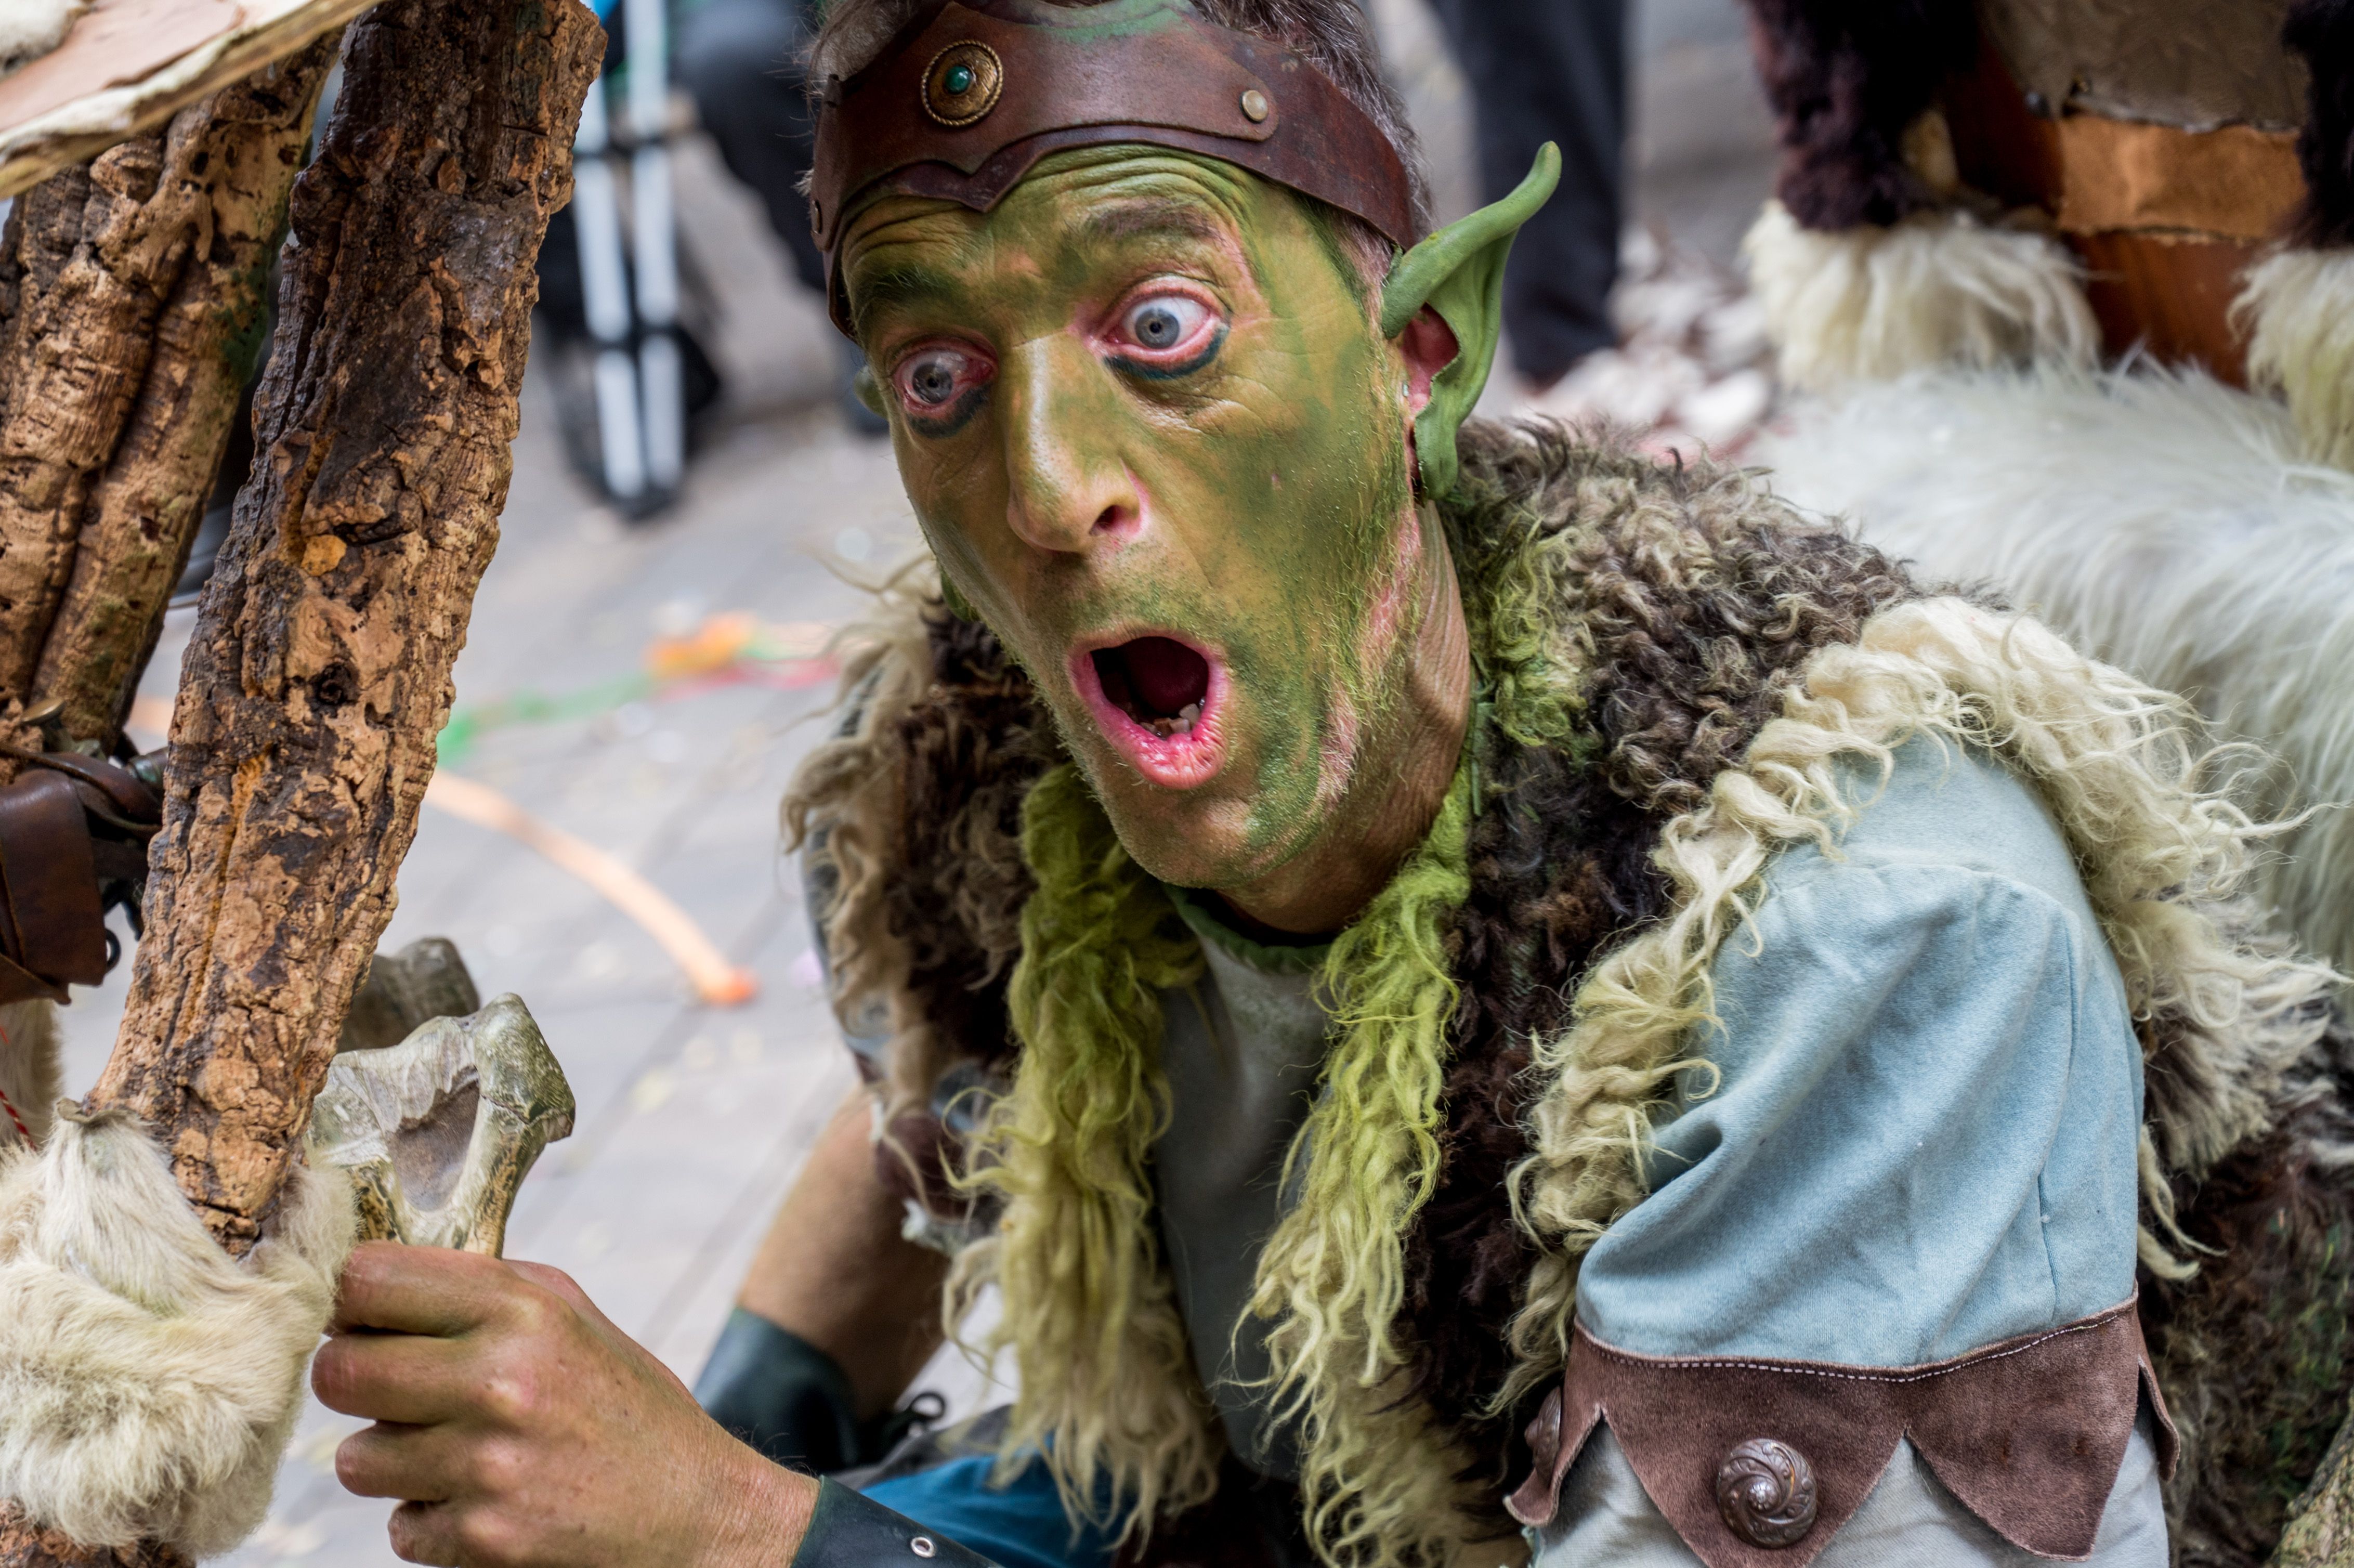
{"x": 848, "y": 1531}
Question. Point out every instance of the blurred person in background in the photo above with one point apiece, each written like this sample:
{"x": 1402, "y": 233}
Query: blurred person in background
{"x": 1539, "y": 71}
{"x": 742, "y": 63}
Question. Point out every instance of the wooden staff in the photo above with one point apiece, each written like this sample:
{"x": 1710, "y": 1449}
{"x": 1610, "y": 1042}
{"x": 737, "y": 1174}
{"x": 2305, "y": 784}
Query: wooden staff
{"x": 319, "y": 672}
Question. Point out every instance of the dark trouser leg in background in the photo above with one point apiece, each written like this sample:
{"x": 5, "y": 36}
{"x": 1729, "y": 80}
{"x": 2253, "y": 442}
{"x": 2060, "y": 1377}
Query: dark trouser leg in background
{"x": 1539, "y": 71}
{"x": 740, "y": 60}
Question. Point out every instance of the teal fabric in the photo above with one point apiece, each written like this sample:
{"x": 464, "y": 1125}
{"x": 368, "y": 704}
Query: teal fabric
{"x": 1018, "y": 1525}
{"x": 1923, "y": 1140}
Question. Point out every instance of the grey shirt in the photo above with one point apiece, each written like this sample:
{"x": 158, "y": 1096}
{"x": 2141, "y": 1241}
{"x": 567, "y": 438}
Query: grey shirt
{"x": 1242, "y": 1049}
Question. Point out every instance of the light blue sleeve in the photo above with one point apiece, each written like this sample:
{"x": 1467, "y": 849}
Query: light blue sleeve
{"x": 1924, "y": 1140}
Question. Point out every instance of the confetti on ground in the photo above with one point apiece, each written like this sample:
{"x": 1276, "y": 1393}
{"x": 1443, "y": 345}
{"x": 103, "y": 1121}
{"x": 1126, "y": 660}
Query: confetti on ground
{"x": 735, "y": 648}
{"x": 716, "y": 980}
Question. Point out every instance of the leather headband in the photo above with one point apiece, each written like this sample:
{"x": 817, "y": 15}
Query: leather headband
{"x": 967, "y": 99}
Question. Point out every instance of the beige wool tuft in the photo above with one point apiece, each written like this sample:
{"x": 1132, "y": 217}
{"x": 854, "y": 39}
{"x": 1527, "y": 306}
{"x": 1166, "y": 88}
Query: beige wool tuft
{"x": 148, "y": 1383}
{"x": 1869, "y": 304}
{"x": 2298, "y": 307}
{"x": 31, "y": 28}
{"x": 2166, "y": 860}
{"x": 30, "y": 1076}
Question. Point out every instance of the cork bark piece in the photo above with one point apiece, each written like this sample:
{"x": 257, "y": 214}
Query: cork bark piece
{"x": 160, "y": 328}
{"x": 127, "y": 66}
{"x": 319, "y": 671}
{"x": 88, "y": 260}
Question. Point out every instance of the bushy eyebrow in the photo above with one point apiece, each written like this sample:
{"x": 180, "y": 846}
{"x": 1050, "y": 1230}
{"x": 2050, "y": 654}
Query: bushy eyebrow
{"x": 889, "y": 287}
{"x": 1162, "y": 219}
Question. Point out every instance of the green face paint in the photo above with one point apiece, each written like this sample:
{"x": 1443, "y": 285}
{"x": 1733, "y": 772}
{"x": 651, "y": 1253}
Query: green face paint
{"x": 1153, "y": 433}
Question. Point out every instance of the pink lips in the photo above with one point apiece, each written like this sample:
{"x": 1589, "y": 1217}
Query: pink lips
{"x": 1190, "y": 756}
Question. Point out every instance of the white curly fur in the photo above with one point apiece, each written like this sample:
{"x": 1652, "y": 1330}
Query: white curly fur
{"x": 1940, "y": 288}
{"x": 148, "y": 1383}
{"x": 2162, "y": 522}
{"x": 29, "y": 1077}
{"x": 31, "y": 28}
{"x": 2299, "y": 308}
{"x": 2119, "y": 765}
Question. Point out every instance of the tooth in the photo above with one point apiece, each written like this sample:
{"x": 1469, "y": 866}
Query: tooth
{"x": 1189, "y": 713}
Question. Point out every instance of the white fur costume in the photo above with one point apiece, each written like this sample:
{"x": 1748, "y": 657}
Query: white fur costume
{"x": 2200, "y": 536}
{"x": 31, "y": 28}
{"x": 2164, "y": 522}
{"x": 1940, "y": 288}
{"x": 148, "y": 1383}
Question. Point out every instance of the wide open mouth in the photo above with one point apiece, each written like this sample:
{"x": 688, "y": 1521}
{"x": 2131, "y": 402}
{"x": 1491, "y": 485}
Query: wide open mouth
{"x": 1157, "y": 680}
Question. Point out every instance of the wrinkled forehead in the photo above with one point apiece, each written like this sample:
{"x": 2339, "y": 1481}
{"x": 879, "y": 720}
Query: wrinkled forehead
{"x": 1073, "y": 213}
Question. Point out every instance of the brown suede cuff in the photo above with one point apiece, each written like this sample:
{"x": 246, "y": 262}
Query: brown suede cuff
{"x": 2028, "y": 1434}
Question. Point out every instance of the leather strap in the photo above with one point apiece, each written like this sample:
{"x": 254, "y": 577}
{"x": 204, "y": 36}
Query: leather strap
{"x": 119, "y": 790}
{"x": 847, "y": 1531}
{"x": 73, "y": 837}
{"x": 56, "y": 927}
{"x": 1034, "y": 79}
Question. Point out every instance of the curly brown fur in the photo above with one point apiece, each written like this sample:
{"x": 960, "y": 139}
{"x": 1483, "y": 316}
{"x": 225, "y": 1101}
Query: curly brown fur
{"x": 2322, "y": 31}
{"x": 1693, "y": 639}
{"x": 969, "y": 751}
{"x": 2252, "y": 1351}
{"x": 1846, "y": 77}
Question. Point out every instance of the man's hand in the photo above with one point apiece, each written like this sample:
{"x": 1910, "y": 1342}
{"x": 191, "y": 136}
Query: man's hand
{"x": 521, "y": 1430}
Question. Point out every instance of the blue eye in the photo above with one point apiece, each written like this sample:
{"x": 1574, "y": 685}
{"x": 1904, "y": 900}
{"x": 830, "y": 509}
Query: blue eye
{"x": 1164, "y": 322}
{"x": 1158, "y": 326}
{"x": 934, "y": 378}
{"x": 932, "y": 381}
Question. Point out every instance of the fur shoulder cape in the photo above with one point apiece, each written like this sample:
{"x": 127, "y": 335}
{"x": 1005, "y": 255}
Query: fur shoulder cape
{"x": 1671, "y": 664}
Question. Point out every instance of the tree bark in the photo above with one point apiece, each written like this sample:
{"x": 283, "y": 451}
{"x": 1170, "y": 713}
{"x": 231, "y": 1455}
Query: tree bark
{"x": 132, "y": 308}
{"x": 132, "y": 302}
{"x": 319, "y": 673}
{"x": 233, "y": 159}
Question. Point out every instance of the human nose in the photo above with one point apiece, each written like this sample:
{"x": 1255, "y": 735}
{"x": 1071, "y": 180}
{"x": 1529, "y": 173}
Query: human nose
{"x": 1066, "y": 489}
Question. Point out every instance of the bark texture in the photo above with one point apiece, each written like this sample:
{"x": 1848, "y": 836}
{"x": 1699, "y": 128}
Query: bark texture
{"x": 228, "y": 164}
{"x": 319, "y": 672}
{"x": 131, "y": 301}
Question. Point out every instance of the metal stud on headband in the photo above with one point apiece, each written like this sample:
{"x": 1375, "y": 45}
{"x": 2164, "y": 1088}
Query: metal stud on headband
{"x": 968, "y": 97}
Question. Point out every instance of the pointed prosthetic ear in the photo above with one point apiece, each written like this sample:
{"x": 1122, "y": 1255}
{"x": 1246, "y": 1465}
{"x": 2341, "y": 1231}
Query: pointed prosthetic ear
{"x": 868, "y": 390}
{"x": 1459, "y": 272}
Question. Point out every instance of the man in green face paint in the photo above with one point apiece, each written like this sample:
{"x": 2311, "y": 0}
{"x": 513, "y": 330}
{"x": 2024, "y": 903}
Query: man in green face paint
{"x": 1470, "y": 997}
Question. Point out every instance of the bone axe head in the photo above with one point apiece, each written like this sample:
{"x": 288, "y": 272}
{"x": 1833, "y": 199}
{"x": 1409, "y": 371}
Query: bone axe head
{"x": 438, "y": 1131}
